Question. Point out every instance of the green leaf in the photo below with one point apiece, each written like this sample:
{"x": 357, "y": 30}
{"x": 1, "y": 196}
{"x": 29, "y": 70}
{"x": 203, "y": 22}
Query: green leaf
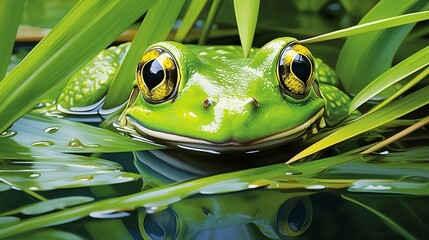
{"x": 246, "y": 13}
{"x": 387, "y": 220}
{"x": 36, "y": 132}
{"x": 10, "y": 17}
{"x": 54, "y": 204}
{"x": 405, "y": 68}
{"x": 155, "y": 27}
{"x": 108, "y": 229}
{"x": 88, "y": 28}
{"x": 214, "y": 10}
{"x": 194, "y": 10}
{"x": 422, "y": 75}
{"x": 309, "y": 5}
{"x": 8, "y": 221}
{"x": 370, "y": 121}
{"x": 49, "y": 234}
{"x": 366, "y": 56}
{"x": 370, "y": 26}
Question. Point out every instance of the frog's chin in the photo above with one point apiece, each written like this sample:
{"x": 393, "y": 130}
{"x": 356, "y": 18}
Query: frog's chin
{"x": 134, "y": 128}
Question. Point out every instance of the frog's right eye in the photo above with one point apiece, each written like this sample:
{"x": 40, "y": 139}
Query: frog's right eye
{"x": 296, "y": 70}
{"x": 158, "y": 76}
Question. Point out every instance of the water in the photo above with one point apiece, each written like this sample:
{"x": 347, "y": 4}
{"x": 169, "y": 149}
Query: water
{"x": 327, "y": 199}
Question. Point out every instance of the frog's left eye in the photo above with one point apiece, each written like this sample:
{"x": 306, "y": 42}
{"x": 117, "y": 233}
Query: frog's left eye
{"x": 296, "y": 71}
{"x": 157, "y": 75}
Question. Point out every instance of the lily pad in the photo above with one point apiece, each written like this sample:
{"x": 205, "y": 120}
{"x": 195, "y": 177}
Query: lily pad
{"x": 4, "y": 187}
{"x": 36, "y": 132}
{"x": 8, "y": 221}
{"x": 50, "y": 170}
{"x": 49, "y": 234}
{"x": 53, "y": 204}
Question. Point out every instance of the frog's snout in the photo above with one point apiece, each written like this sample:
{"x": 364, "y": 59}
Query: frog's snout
{"x": 250, "y": 101}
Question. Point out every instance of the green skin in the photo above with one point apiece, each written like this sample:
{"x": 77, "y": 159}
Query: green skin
{"x": 247, "y": 107}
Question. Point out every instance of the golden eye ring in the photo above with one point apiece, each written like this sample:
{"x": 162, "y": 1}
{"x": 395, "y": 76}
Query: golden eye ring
{"x": 295, "y": 70}
{"x": 158, "y": 76}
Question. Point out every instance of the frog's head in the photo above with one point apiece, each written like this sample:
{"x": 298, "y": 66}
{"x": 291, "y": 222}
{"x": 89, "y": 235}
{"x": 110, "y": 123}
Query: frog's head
{"x": 211, "y": 97}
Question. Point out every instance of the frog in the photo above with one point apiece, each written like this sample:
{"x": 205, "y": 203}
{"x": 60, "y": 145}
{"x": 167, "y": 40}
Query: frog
{"x": 212, "y": 98}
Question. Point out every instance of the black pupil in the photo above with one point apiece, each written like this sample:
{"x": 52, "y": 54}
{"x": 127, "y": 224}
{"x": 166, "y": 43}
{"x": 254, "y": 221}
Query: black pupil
{"x": 301, "y": 67}
{"x": 153, "y": 74}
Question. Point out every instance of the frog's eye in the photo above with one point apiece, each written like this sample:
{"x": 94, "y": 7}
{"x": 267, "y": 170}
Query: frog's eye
{"x": 157, "y": 75}
{"x": 296, "y": 71}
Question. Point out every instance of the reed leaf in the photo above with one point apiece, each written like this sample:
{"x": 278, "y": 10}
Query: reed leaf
{"x": 421, "y": 76}
{"x": 368, "y": 122}
{"x": 398, "y": 228}
{"x": 246, "y": 14}
{"x": 88, "y": 28}
{"x": 366, "y": 56}
{"x": 309, "y": 5}
{"x": 214, "y": 10}
{"x": 155, "y": 27}
{"x": 370, "y": 26}
{"x": 405, "y": 68}
{"x": 194, "y": 10}
{"x": 10, "y": 17}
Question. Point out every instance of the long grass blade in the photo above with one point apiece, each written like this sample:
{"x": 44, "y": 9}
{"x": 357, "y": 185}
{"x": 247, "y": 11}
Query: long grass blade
{"x": 10, "y": 17}
{"x": 214, "y": 10}
{"x": 422, "y": 75}
{"x": 368, "y": 122}
{"x": 155, "y": 27}
{"x": 403, "y": 69}
{"x": 309, "y": 5}
{"x": 246, "y": 14}
{"x": 397, "y": 136}
{"x": 194, "y": 10}
{"x": 370, "y": 26}
{"x": 365, "y": 57}
{"x": 88, "y": 28}
{"x": 386, "y": 219}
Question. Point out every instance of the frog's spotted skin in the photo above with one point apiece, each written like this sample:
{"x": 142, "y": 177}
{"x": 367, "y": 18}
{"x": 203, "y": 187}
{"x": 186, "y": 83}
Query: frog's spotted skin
{"x": 337, "y": 102}
{"x": 89, "y": 85}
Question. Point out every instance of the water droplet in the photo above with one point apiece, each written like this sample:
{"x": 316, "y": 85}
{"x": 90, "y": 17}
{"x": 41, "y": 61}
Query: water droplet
{"x": 42, "y": 144}
{"x": 113, "y": 213}
{"x": 7, "y": 133}
{"x": 315, "y": 187}
{"x": 35, "y": 175}
{"x": 259, "y": 183}
{"x": 377, "y": 187}
{"x": 76, "y": 143}
{"x": 84, "y": 178}
{"x": 154, "y": 209}
{"x": 51, "y": 129}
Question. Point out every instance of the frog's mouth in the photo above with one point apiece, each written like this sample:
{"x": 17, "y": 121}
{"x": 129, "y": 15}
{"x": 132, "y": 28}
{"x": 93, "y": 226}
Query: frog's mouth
{"x": 137, "y": 130}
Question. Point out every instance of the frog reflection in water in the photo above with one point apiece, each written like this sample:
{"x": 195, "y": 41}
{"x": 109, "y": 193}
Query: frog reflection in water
{"x": 213, "y": 99}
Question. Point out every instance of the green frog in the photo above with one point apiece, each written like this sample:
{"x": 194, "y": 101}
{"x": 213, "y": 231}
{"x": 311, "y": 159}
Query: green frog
{"x": 212, "y": 98}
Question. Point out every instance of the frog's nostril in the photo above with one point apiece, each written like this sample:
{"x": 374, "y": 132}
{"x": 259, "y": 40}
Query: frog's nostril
{"x": 252, "y": 101}
{"x": 207, "y": 103}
